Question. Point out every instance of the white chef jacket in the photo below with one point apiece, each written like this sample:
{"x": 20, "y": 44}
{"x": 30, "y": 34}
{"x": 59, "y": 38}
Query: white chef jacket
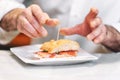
{"x": 70, "y": 13}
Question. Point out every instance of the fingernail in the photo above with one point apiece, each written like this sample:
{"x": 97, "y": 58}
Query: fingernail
{"x": 92, "y": 24}
{"x": 44, "y": 33}
{"x": 62, "y": 33}
{"x": 89, "y": 37}
{"x": 96, "y": 41}
{"x": 56, "y": 21}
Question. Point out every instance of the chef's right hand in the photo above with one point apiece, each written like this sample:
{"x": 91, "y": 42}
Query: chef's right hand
{"x": 31, "y": 20}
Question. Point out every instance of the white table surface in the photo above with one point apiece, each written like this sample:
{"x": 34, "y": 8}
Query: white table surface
{"x": 106, "y": 68}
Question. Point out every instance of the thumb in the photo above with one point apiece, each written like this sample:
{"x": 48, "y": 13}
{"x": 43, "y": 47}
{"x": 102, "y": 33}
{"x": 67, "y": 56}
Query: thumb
{"x": 52, "y": 22}
{"x": 70, "y": 31}
{"x": 92, "y": 14}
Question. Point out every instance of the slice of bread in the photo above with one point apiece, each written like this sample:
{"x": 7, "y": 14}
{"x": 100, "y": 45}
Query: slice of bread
{"x": 60, "y": 45}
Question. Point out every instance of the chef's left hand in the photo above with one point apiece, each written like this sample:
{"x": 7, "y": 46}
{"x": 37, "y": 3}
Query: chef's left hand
{"x": 92, "y": 28}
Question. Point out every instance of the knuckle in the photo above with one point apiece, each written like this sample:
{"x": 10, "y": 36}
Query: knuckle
{"x": 96, "y": 33}
{"x": 34, "y": 6}
{"x": 98, "y": 20}
{"x": 93, "y": 34}
{"x": 32, "y": 21}
{"x": 24, "y": 12}
{"x": 25, "y": 24}
{"x": 46, "y": 15}
{"x": 19, "y": 19}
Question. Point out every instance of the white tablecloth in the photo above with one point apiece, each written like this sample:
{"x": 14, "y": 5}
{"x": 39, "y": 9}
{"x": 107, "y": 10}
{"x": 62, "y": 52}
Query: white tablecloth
{"x": 106, "y": 68}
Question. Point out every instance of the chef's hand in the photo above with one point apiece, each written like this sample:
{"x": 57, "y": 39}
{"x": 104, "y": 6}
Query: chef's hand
{"x": 29, "y": 21}
{"x": 92, "y": 28}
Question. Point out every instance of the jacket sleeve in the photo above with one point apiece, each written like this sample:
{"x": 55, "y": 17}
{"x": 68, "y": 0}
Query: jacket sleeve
{"x": 5, "y": 7}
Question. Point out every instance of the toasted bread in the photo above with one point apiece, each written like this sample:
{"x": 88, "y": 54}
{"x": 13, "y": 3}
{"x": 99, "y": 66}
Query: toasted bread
{"x": 60, "y": 45}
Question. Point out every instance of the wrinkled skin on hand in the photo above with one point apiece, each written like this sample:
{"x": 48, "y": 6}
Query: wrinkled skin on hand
{"x": 29, "y": 21}
{"x": 93, "y": 29}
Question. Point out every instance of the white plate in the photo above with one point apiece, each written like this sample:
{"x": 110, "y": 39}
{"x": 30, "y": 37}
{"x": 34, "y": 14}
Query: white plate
{"x": 26, "y": 54}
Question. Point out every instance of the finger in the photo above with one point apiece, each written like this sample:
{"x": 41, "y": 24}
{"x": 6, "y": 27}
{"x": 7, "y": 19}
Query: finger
{"x": 38, "y": 14}
{"x": 95, "y": 23}
{"x": 70, "y": 31}
{"x": 26, "y": 26}
{"x": 48, "y": 21}
{"x": 101, "y": 37}
{"x": 95, "y": 33}
{"x": 92, "y": 14}
{"x": 38, "y": 27}
{"x": 28, "y": 33}
{"x": 52, "y": 22}
{"x": 19, "y": 26}
{"x": 43, "y": 32}
{"x": 42, "y": 17}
